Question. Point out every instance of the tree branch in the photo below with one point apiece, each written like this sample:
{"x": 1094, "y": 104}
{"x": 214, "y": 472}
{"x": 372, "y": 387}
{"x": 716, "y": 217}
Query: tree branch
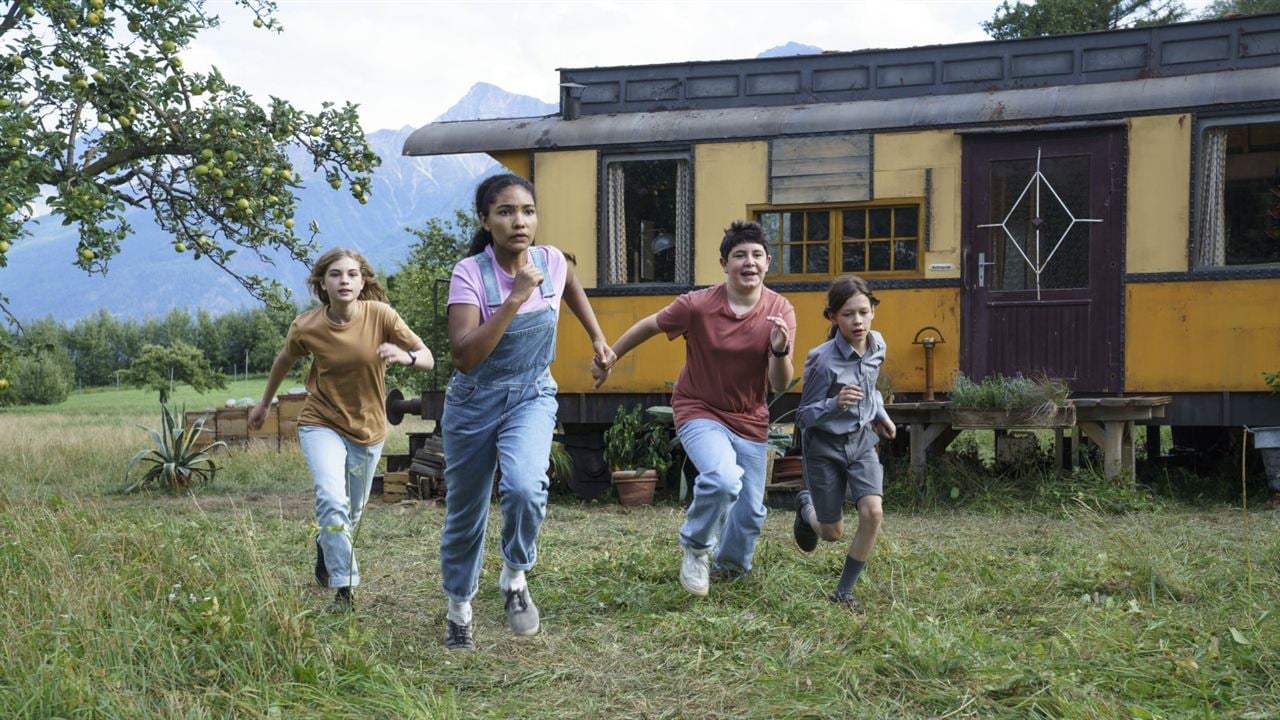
{"x": 11, "y": 18}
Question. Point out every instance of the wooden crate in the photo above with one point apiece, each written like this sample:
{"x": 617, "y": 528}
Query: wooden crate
{"x": 396, "y": 486}
{"x": 290, "y": 407}
{"x": 269, "y": 434}
{"x": 233, "y": 425}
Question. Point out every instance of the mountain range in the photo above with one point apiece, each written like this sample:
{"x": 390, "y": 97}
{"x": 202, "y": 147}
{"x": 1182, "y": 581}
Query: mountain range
{"x": 147, "y": 278}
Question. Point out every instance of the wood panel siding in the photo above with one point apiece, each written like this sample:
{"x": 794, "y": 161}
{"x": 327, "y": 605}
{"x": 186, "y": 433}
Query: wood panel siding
{"x": 820, "y": 169}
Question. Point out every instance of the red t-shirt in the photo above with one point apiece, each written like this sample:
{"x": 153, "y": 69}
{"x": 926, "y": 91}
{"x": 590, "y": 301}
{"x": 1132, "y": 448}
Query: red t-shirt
{"x": 726, "y": 367}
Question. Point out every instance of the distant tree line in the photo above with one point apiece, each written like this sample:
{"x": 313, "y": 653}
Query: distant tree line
{"x": 203, "y": 349}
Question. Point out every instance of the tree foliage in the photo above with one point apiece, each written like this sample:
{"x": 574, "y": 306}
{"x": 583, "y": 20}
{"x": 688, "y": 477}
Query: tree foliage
{"x": 97, "y": 110}
{"x": 420, "y": 291}
{"x": 158, "y": 367}
{"x": 1060, "y": 17}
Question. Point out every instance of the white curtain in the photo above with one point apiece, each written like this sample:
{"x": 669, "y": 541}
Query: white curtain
{"x": 684, "y": 225}
{"x": 616, "y": 252}
{"x": 1211, "y": 230}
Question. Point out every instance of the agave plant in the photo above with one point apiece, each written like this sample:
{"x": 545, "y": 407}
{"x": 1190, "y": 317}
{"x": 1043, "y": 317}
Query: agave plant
{"x": 175, "y": 462}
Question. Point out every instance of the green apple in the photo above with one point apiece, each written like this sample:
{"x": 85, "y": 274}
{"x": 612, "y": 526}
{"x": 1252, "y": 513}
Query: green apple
{"x": 242, "y": 204}
{"x": 179, "y": 247}
{"x": 268, "y": 170}
{"x": 216, "y": 173}
{"x": 289, "y": 223}
{"x": 168, "y": 46}
{"x": 87, "y": 254}
{"x": 206, "y": 154}
{"x": 230, "y": 156}
{"x": 104, "y": 118}
{"x": 335, "y": 183}
{"x": 9, "y": 209}
{"x": 134, "y": 26}
{"x": 355, "y": 188}
{"x": 4, "y": 384}
{"x": 93, "y": 18}
{"x": 202, "y": 170}
{"x": 15, "y": 141}
{"x": 257, "y": 23}
{"x": 4, "y": 246}
{"x": 315, "y": 132}
{"x": 99, "y": 77}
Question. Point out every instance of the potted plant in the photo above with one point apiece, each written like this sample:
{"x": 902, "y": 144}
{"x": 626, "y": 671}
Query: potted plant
{"x": 999, "y": 402}
{"x": 639, "y": 451}
{"x": 177, "y": 462}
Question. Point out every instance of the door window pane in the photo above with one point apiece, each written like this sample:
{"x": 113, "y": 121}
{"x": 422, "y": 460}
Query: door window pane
{"x": 1038, "y": 223}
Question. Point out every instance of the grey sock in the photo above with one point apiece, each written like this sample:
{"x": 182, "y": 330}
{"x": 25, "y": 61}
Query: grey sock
{"x": 849, "y": 576}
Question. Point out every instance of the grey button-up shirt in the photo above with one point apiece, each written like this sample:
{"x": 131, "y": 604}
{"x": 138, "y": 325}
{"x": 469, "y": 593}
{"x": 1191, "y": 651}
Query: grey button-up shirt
{"x": 827, "y": 369}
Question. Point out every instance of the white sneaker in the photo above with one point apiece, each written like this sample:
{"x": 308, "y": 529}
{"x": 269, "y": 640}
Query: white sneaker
{"x": 695, "y": 573}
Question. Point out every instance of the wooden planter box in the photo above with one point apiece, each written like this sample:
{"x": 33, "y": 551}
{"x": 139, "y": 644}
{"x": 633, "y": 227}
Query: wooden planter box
{"x": 1016, "y": 419}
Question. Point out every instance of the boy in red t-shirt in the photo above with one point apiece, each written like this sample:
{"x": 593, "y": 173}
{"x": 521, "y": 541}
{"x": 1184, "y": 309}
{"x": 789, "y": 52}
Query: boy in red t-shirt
{"x": 737, "y": 345}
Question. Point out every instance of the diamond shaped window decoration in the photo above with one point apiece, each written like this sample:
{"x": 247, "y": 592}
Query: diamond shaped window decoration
{"x": 1038, "y": 182}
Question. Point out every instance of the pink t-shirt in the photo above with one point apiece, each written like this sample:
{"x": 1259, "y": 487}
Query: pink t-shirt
{"x": 466, "y": 287}
{"x": 726, "y": 367}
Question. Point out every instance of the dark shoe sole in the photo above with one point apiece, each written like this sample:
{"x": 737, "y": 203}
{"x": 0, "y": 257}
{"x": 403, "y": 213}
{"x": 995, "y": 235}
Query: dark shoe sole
{"x": 805, "y": 537}
{"x": 322, "y": 571}
{"x": 848, "y": 601}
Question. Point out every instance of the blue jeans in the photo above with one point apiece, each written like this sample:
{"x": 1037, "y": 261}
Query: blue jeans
{"x": 728, "y": 496}
{"x": 485, "y": 427}
{"x": 342, "y": 471}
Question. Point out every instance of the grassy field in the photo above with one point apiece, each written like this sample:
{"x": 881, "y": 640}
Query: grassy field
{"x": 1070, "y": 599}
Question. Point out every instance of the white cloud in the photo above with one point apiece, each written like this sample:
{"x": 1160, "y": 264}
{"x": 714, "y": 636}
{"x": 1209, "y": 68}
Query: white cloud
{"x": 406, "y": 61}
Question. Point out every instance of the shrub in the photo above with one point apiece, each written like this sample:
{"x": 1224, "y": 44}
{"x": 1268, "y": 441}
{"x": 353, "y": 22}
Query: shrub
{"x": 39, "y": 379}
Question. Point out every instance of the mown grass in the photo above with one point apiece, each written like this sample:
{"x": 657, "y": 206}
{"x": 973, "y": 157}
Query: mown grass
{"x": 1010, "y": 600}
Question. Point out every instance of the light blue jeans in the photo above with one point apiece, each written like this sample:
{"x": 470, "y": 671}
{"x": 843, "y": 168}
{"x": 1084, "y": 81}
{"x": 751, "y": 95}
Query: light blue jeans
{"x": 488, "y": 427}
{"x": 342, "y": 471}
{"x": 728, "y": 496}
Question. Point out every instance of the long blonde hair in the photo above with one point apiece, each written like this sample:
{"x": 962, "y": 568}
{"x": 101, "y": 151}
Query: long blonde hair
{"x": 372, "y": 289}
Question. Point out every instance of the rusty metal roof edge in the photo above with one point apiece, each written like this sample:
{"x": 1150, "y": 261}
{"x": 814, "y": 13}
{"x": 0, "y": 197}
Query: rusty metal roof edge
{"x": 986, "y": 108}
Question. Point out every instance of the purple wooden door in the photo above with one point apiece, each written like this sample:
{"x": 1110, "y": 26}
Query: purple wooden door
{"x": 1043, "y": 254}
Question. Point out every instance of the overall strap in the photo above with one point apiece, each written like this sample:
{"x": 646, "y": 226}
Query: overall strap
{"x": 540, "y": 260}
{"x": 492, "y": 296}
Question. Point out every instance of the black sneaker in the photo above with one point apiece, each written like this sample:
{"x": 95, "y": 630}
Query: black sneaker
{"x": 322, "y": 572}
{"x": 806, "y": 538}
{"x": 459, "y": 637}
{"x": 847, "y": 600}
{"x": 341, "y": 601}
{"x": 522, "y": 614}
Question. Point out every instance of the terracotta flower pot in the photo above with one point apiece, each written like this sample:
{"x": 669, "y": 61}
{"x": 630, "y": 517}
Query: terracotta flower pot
{"x": 635, "y": 488}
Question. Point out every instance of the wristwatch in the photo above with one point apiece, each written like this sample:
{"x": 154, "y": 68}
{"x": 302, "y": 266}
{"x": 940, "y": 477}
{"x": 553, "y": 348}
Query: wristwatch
{"x": 784, "y": 352}
{"x": 413, "y": 359}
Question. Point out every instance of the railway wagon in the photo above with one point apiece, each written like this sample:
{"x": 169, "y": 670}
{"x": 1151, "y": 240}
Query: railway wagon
{"x": 1102, "y": 208}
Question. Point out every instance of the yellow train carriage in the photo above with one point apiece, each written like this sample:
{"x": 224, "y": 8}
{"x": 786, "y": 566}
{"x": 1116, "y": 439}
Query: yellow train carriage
{"x": 1103, "y": 208}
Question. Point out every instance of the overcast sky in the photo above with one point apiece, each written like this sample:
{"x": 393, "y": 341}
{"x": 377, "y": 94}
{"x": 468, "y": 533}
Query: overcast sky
{"x": 407, "y": 61}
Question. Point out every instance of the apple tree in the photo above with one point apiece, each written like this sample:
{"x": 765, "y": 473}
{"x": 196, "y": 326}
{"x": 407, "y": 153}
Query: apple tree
{"x": 98, "y": 117}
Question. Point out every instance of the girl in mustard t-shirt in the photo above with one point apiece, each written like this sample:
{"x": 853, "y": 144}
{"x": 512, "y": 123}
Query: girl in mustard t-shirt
{"x": 352, "y": 337}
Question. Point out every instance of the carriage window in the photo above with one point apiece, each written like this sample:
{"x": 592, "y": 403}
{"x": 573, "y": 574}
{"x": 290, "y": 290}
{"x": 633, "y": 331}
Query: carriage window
{"x": 648, "y": 220}
{"x": 829, "y": 241}
{"x": 1238, "y": 194}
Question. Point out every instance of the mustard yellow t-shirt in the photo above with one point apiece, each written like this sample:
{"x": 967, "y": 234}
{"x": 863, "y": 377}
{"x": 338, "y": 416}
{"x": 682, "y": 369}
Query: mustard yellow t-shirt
{"x": 347, "y": 381}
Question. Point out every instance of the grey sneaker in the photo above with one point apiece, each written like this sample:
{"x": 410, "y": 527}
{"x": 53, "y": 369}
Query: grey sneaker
{"x": 459, "y": 637}
{"x": 847, "y": 600}
{"x": 522, "y": 614}
{"x": 694, "y": 572}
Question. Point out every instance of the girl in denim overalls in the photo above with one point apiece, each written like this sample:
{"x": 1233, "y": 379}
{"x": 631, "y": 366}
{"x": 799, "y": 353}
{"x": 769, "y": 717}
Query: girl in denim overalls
{"x": 500, "y": 405}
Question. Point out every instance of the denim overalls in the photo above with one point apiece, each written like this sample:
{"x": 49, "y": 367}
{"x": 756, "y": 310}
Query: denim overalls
{"x": 501, "y": 414}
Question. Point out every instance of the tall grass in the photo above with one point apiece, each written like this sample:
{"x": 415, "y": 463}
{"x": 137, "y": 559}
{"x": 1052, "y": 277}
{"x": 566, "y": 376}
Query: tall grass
{"x": 1039, "y": 605}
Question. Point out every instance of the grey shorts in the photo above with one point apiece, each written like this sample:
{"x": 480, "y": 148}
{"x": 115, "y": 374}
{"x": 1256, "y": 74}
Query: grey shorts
{"x": 840, "y": 466}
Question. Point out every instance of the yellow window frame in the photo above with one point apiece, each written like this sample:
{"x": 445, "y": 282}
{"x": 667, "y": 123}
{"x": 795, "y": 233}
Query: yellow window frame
{"x": 835, "y": 237}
